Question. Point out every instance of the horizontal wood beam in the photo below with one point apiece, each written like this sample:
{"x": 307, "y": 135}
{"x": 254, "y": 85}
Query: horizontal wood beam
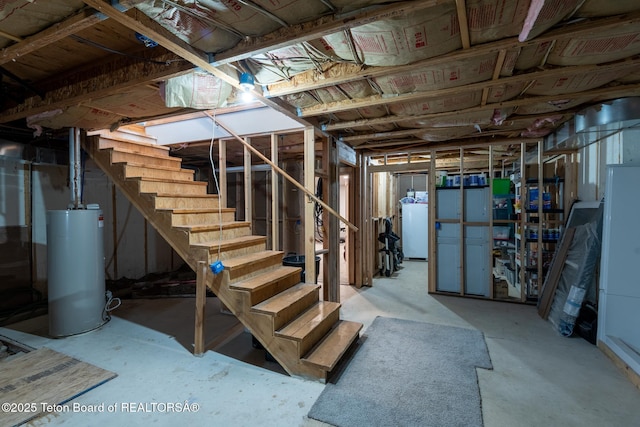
{"x": 414, "y": 146}
{"x": 201, "y": 114}
{"x": 405, "y": 142}
{"x": 401, "y": 167}
{"x": 319, "y": 28}
{"x": 10, "y": 36}
{"x": 376, "y": 100}
{"x": 492, "y": 133}
{"x": 599, "y": 94}
{"x": 311, "y": 80}
{"x": 142, "y": 24}
{"x": 383, "y": 135}
{"x": 413, "y": 131}
{"x": 425, "y": 165}
{"x": 76, "y": 23}
{"x": 109, "y": 78}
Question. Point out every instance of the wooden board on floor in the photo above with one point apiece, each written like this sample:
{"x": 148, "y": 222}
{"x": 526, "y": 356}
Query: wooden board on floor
{"x": 44, "y": 376}
{"x": 555, "y": 271}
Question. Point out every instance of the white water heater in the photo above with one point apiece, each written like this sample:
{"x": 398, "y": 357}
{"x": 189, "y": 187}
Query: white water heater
{"x": 75, "y": 264}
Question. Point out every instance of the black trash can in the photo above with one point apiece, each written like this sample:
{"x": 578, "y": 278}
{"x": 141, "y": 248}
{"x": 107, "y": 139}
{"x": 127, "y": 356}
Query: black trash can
{"x": 298, "y": 261}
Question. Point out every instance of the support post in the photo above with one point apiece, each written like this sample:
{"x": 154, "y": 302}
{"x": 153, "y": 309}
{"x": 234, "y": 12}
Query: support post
{"x": 359, "y": 214}
{"x": 222, "y": 174}
{"x": 248, "y": 194}
{"x": 201, "y": 300}
{"x": 462, "y": 220}
{"x": 334, "y": 224}
{"x": 309, "y": 206}
{"x": 331, "y": 189}
{"x": 369, "y": 252}
{"x": 275, "y": 197}
{"x": 433, "y": 204}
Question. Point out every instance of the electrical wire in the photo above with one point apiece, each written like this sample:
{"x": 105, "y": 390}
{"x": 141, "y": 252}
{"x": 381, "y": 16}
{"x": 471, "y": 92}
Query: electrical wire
{"x": 106, "y": 315}
{"x": 117, "y": 52}
{"x": 213, "y": 172}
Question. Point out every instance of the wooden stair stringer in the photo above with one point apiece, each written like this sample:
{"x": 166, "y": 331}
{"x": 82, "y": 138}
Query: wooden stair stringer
{"x": 161, "y": 221}
{"x": 254, "y": 303}
{"x": 285, "y": 351}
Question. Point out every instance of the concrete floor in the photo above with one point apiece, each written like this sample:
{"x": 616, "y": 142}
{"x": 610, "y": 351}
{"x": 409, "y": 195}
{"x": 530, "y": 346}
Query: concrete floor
{"x": 539, "y": 378}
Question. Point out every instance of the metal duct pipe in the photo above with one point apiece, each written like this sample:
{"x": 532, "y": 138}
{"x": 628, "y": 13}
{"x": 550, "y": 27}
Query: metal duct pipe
{"x": 595, "y": 123}
{"x": 75, "y": 173}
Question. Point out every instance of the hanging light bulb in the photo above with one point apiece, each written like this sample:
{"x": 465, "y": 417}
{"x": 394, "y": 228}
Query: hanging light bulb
{"x": 246, "y": 82}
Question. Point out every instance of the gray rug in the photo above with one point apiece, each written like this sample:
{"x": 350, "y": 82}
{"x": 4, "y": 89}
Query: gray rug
{"x": 408, "y": 374}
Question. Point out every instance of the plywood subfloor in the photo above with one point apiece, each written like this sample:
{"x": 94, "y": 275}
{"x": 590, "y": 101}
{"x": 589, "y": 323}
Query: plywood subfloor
{"x": 42, "y": 378}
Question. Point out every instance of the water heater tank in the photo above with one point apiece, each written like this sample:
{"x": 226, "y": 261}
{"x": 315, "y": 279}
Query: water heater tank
{"x": 75, "y": 264}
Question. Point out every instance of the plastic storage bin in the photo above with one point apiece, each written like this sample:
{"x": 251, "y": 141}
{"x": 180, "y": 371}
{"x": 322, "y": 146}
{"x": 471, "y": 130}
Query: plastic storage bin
{"x": 501, "y": 186}
{"x": 293, "y": 260}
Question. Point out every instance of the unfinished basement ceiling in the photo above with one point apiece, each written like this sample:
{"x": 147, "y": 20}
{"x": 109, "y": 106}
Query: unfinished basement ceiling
{"x": 380, "y": 75}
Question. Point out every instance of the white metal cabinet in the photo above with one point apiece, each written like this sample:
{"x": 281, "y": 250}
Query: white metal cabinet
{"x": 415, "y": 230}
{"x": 476, "y": 260}
{"x": 619, "y": 305}
{"x": 448, "y": 268}
{"x": 448, "y": 203}
{"x": 475, "y": 240}
{"x": 476, "y": 204}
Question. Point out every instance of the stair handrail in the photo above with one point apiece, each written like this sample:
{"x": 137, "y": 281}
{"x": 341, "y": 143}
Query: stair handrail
{"x": 284, "y": 174}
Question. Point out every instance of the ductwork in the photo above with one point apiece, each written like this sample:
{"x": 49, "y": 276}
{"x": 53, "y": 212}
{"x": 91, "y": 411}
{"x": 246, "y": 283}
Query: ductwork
{"x": 595, "y": 123}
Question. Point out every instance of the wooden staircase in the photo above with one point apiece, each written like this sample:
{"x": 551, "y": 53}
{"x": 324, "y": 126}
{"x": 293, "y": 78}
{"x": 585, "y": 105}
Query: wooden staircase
{"x": 305, "y": 335}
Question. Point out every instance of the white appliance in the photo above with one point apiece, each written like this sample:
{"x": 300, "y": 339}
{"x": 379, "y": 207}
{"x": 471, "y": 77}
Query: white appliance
{"x": 618, "y": 313}
{"x": 415, "y": 230}
{"x": 75, "y": 265}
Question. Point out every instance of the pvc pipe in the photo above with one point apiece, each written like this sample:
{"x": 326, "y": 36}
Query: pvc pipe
{"x": 75, "y": 173}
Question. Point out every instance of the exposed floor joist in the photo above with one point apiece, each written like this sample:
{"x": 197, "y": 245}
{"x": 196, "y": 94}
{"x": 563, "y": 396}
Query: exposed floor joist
{"x": 373, "y": 100}
{"x": 311, "y": 80}
{"x": 599, "y": 94}
{"x": 78, "y": 22}
{"x": 120, "y": 74}
{"x": 316, "y": 29}
{"x": 142, "y": 24}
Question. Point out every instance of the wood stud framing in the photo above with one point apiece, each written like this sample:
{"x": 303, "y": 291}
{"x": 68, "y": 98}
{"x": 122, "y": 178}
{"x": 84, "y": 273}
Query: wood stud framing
{"x": 275, "y": 197}
{"x": 309, "y": 207}
{"x": 248, "y": 183}
{"x": 222, "y": 167}
{"x": 461, "y": 8}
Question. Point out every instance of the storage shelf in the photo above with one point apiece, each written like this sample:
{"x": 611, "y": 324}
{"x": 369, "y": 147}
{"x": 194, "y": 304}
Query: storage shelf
{"x": 528, "y": 268}
{"x": 466, "y": 187}
{"x": 544, "y": 180}
{"x": 546, "y": 211}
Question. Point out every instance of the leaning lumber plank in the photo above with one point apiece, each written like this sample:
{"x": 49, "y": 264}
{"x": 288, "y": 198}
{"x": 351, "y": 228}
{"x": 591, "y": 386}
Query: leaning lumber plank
{"x": 555, "y": 271}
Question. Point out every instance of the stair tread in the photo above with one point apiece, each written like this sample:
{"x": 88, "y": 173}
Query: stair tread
{"x": 264, "y": 279}
{"x": 330, "y": 350}
{"x": 241, "y": 261}
{"x": 164, "y": 168}
{"x": 163, "y": 157}
{"x": 202, "y": 210}
{"x": 304, "y": 324}
{"x": 214, "y": 226}
{"x": 284, "y": 299}
{"x": 145, "y": 144}
{"x": 226, "y": 243}
{"x": 171, "y": 181}
{"x": 187, "y": 196}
